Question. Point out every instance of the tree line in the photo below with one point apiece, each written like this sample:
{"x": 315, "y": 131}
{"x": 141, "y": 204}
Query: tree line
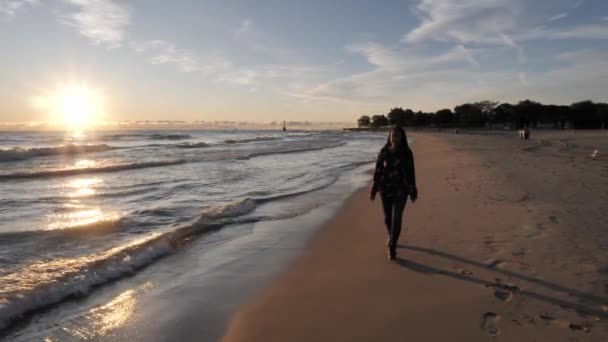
{"x": 584, "y": 114}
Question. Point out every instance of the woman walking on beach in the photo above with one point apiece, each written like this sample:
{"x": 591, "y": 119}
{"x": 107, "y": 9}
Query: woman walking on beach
{"x": 395, "y": 179}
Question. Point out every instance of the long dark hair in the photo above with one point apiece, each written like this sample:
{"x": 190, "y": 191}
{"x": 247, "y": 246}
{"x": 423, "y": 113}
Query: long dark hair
{"x": 405, "y": 147}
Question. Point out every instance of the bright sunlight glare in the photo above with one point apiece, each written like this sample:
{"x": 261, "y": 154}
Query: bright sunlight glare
{"x": 75, "y": 105}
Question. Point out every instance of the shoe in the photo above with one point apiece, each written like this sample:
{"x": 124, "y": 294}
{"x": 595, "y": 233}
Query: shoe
{"x": 392, "y": 253}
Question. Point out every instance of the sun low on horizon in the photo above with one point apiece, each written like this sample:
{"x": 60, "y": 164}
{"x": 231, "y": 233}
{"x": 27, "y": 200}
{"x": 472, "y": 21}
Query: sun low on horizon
{"x": 72, "y": 105}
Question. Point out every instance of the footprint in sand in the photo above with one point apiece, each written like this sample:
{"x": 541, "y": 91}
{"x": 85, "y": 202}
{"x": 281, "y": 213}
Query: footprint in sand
{"x": 562, "y": 323}
{"x": 520, "y": 252}
{"x": 463, "y": 271}
{"x": 538, "y": 231}
{"x": 504, "y": 291}
{"x": 496, "y": 263}
{"x": 489, "y": 323}
{"x": 496, "y": 246}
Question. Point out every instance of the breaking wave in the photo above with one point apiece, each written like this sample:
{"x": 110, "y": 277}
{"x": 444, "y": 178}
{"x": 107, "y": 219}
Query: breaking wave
{"x": 248, "y": 140}
{"x": 70, "y": 149}
{"x": 87, "y": 170}
{"x": 65, "y": 278}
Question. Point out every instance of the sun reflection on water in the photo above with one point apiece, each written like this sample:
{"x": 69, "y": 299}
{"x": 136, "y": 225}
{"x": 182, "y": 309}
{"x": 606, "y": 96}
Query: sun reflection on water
{"x": 85, "y": 163}
{"x": 102, "y": 320}
{"x": 76, "y": 212}
{"x": 81, "y": 218}
{"x": 83, "y": 187}
{"x": 77, "y": 134}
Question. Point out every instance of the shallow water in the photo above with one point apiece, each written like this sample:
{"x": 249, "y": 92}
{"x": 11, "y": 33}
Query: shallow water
{"x": 80, "y": 211}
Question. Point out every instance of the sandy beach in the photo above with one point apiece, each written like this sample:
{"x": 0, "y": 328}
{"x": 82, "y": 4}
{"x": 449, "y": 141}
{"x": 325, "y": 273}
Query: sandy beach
{"x": 506, "y": 242}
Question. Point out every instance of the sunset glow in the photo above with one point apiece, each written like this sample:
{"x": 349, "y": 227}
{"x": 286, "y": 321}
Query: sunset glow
{"x": 74, "y": 106}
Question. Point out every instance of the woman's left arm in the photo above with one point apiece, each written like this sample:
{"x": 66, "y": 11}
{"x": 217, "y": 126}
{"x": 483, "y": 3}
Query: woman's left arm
{"x": 412, "y": 173}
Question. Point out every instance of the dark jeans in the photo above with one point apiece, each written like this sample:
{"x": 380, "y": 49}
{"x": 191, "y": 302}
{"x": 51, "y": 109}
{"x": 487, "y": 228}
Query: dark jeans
{"x": 393, "y": 214}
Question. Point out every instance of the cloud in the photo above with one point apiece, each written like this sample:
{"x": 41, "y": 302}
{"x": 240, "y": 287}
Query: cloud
{"x": 523, "y": 78}
{"x": 557, "y": 17}
{"x": 469, "y": 21}
{"x": 259, "y": 41}
{"x": 507, "y": 22}
{"x": 464, "y": 21}
{"x": 163, "y": 52}
{"x": 244, "y": 29}
{"x": 400, "y": 60}
{"x": 378, "y": 55}
{"x": 400, "y": 73}
{"x": 587, "y": 32}
{"x": 407, "y": 77}
{"x": 9, "y": 8}
{"x": 215, "y": 66}
{"x": 583, "y": 57}
{"x": 521, "y": 55}
{"x": 458, "y": 53}
{"x": 240, "y": 77}
{"x": 103, "y": 22}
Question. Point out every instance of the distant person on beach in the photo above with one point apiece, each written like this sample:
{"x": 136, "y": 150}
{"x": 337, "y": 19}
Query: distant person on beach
{"x": 395, "y": 180}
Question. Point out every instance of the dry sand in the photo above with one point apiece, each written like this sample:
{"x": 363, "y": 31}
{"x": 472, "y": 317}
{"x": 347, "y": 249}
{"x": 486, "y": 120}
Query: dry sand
{"x": 506, "y": 242}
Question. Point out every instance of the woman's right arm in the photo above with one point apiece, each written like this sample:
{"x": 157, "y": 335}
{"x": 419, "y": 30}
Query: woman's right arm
{"x": 377, "y": 175}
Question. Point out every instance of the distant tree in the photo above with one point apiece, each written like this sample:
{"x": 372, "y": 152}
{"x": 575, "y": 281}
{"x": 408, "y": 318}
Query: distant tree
{"x": 564, "y": 115}
{"x": 364, "y": 121}
{"x": 379, "y": 121}
{"x": 603, "y": 115}
{"x": 397, "y": 116}
{"x": 586, "y": 113}
{"x": 409, "y": 116}
{"x": 583, "y": 114}
{"x": 487, "y": 108}
{"x": 444, "y": 117}
{"x": 469, "y": 115}
{"x": 527, "y": 113}
{"x": 423, "y": 119}
{"x": 503, "y": 113}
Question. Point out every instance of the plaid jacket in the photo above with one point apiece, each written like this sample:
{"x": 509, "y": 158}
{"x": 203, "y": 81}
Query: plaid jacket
{"x": 395, "y": 176}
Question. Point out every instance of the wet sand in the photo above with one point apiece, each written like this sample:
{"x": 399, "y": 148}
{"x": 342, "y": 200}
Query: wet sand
{"x": 507, "y": 242}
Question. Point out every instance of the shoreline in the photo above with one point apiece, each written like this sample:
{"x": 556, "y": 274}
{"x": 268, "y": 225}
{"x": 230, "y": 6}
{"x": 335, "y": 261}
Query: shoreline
{"x": 492, "y": 263}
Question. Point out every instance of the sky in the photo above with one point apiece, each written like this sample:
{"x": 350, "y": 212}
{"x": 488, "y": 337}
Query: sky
{"x": 314, "y": 60}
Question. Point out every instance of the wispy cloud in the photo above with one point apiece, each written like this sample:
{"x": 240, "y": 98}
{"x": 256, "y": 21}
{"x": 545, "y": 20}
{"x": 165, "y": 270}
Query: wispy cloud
{"x": 523, "y": 78}
{"x": 217, "y": 67}
{"x": 521, "y": 55}
{"x": 582, "y": 75}
{"x": 583, "y": 56}
{"x": 399, "y": 73}
{"x": 255, "y": 39}
{"x": 163, "y": 52}
{"x": 246, "y": 28}
{"x": 558, "y": 17}
{"x": 464, "y": 21}
{"x": 103, "y": 22}
{"x": 9, "y": 8}
{"x": 489, "y": 22}
{"x": 457, "y": 54}
{"x": 588, "y": 32}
